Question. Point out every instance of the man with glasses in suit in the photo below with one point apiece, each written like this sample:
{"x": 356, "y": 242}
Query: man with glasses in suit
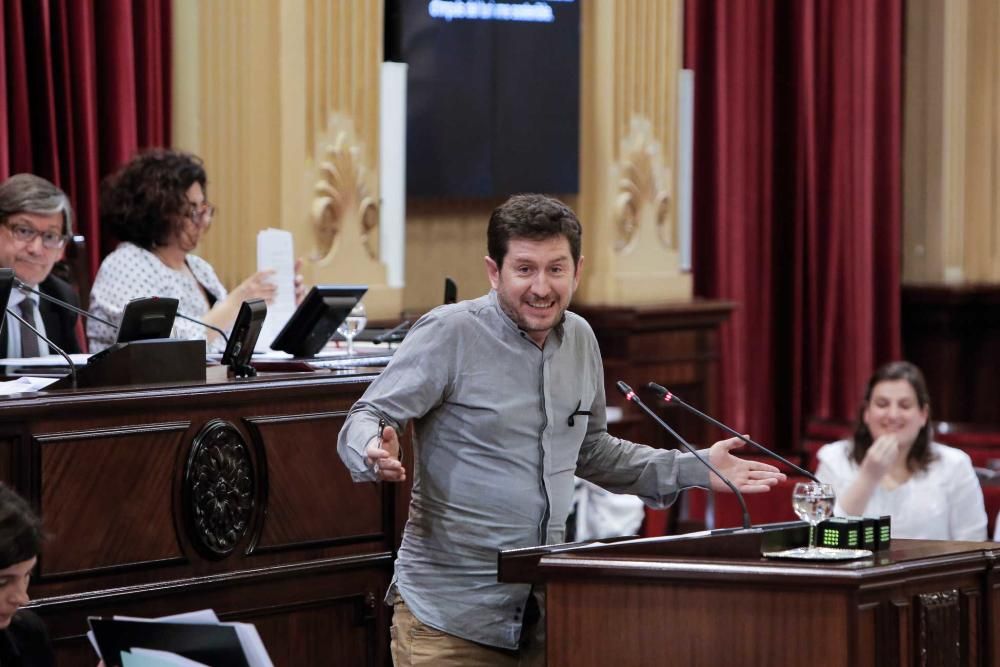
{"x": 36, "y": 222}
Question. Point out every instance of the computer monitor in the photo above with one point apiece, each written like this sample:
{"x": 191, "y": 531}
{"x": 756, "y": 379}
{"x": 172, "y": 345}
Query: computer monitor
{"x": 147, "y": 318}
{"x": 244, "y": 337}
{"x": 316, "y": 319}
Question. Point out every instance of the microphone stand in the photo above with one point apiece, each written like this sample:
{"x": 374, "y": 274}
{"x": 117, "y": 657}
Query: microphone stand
{"x": 669, "y": 397}
{"x": 631, "y": 396}
{"x": 72, "y": 366}
{"x": 59, "y": 302}
{"x": 206, "y": 325}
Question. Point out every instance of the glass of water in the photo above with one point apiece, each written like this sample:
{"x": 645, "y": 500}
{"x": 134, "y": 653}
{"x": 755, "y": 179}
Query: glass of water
{"x": 353, "y": 324}
{"x": 813, "y": 502}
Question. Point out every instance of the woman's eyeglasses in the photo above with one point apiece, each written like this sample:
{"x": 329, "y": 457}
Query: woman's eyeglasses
{"x": 26, "y": 234}
{"x": 201, "y": 215}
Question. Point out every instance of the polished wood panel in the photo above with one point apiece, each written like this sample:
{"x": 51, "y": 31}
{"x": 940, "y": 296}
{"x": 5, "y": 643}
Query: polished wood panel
{"x": 302, "y": 467}
{"x": 230, "y": 495}
{"x": 953, "y": 334}
{"x": 714, "y": 600}
{"x": 675, "y": 345}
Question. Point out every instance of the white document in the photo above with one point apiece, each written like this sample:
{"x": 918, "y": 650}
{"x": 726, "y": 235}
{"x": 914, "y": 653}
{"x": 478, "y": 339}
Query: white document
{"x": 253, "y": 647}
{"x": 275, "y": 251}
{"x": 45, "y": 361}
{"x": 25, "y": 384}
{"x": 147, "y": 657}
{"x": 202, "y": 617}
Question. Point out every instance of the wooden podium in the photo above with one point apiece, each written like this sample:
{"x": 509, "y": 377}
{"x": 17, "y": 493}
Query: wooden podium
{"x": 713, "y": 600}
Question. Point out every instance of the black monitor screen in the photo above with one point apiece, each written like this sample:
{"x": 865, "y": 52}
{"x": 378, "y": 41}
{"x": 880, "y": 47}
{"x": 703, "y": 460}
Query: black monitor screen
{"x": 493, "y": 95}
{"x": 316, "y": 319}
{"x": 245, "y": 333}
{"x": 147, "y": 318}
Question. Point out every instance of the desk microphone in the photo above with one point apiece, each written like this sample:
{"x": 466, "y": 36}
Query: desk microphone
{"x": 72, "y": 366}
{"x": 631, "y": 396}
{"x": 390, "y": 336}
{"x": 206, "y": 325}
{"x": 669, "y": 397}
{"x": 59, "y": 302}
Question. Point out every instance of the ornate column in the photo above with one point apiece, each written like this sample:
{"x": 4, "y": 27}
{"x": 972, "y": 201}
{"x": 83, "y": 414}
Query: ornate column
{"x": 631, "y": 55}
{"x": 281, "y": 100}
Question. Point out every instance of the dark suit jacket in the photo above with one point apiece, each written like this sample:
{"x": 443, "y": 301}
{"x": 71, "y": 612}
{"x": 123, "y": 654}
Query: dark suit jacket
{"x": 60, "y": 323}
{"x": 25, "y": 642}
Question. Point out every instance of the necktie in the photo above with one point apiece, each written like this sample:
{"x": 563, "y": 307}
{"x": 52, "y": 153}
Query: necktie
{"x": 29, "y": 340}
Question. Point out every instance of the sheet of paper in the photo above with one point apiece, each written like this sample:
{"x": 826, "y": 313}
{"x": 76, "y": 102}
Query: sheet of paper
{"x": 48, "y": 360}
{"x": 147, "y": 657}
{"x": 25, "y": 384}
{"x": 275, "y": 251}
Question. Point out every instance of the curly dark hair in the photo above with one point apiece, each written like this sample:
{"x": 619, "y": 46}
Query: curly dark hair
{"x": 144, "y": 201}
{"x": 533, "y": 217}
{"x": 920, "y": 455}
{"x": 20, "y": 529}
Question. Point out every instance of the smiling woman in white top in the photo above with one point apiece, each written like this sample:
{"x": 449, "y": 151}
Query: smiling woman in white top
{"x": 157, "y": 206}
{"x": 892, "y": 466}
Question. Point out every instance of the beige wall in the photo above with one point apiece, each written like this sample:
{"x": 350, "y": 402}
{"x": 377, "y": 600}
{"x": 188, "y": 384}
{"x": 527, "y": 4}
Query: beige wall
{"x": 269, "y": 92}
{"x": 951, "y": 202}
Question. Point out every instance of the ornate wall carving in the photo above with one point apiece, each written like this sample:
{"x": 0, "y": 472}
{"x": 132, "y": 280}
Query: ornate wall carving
{"x": 219, "y": 489}
{"x": 643, "y": 189}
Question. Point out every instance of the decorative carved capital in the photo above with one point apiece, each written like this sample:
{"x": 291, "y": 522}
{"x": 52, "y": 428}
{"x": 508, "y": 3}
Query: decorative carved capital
{"x": 219, "y": 488}
{"x": 341, "y": 194}
{"x": 643, "y": 187}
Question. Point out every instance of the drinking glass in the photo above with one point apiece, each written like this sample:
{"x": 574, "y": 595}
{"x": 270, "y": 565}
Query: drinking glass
{"x": 813, "y": 502}
{"x": 353, "y": 324}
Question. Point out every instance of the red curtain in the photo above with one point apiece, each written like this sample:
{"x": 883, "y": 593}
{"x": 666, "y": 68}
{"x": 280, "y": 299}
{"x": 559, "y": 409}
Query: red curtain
{"x": 797, "y": 200}
{"x": 84, "y": 86}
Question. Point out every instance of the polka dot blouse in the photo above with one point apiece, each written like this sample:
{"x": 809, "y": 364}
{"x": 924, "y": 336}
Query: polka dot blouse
{"x": 131, "y": 272}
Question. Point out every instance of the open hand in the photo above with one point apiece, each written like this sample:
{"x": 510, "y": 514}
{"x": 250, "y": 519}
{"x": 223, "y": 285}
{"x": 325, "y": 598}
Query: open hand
{"x": 747, "y": 476}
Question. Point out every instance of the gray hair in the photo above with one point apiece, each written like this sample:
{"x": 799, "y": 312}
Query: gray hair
{"x": 27, "y": 193}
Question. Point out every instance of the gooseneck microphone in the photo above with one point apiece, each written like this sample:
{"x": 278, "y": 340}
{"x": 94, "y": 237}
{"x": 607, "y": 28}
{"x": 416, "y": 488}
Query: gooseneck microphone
{"x": 631, "y": 396}
{"x": 72, "y": 366}
{"x": 670, "y": 397}
{"x": 59, "y": 302}
{"x": 204, "y": 324}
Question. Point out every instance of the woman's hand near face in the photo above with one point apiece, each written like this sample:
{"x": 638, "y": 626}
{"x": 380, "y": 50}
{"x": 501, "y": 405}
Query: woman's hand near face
{"x": 881, "y": 457}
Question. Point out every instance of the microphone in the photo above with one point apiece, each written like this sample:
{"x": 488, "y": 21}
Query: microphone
{"x": 631, "y": 396}
{"x": 390, "y": 335}
{"x": 206, "y": 325}
{"x": 72, "y": 366}
{"x": 59, "y": 302}
{"x": 669, "y": 397}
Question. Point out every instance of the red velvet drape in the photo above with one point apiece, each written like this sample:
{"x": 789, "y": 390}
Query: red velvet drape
{"x": 84, "y": 86}
{"x": 797, "y": 199}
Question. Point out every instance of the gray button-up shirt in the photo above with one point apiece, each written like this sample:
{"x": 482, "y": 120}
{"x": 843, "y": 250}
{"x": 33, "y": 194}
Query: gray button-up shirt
{"x": 495, "y": 456}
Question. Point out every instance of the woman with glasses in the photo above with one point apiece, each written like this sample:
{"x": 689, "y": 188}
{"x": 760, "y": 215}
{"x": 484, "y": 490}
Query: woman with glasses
{"x": 157, "y": 207}
{"x": 36, "y": 221}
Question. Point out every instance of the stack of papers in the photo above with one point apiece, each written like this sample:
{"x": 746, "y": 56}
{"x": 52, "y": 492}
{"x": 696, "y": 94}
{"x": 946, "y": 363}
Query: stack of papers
{"x": 183, "y": 640}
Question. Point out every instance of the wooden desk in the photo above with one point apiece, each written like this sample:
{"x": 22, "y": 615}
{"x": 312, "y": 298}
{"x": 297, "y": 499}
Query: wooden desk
{"x": 715, "y": 601}
{"x": 164, "y": 499}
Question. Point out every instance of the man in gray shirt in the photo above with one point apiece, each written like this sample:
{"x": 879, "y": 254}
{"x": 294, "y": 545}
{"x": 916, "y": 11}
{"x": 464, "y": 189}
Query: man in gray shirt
{"x": 506, "y": 393}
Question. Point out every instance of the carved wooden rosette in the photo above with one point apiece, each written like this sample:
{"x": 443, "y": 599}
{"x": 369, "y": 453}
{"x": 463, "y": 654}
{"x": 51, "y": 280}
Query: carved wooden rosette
{"x": 342, "y": 201}
{"x": 643, "y": 196}
{"x": 219, "y": 489}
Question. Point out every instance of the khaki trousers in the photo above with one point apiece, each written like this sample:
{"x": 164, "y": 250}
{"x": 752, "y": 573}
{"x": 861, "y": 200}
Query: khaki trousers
{"x": 417, "y": 645}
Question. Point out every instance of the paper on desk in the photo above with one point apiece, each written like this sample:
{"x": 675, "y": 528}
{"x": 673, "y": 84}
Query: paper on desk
{"x": 25, "y": 384}
{"x": 202, "y": 616}
{"x": 275, "y": 252}
{"x": 45, "y": 361}
{"x": 147, "y": 657}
